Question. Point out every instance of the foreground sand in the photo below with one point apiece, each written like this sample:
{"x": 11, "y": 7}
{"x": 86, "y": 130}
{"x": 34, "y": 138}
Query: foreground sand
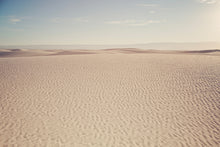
{"x": 109, "y": 98}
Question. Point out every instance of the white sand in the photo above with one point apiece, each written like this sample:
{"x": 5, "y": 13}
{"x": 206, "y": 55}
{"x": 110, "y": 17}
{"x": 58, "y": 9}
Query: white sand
{"x": 109, "y": 99}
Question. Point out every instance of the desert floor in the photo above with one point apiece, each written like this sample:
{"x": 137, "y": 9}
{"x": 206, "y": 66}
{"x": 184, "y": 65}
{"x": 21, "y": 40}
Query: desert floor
{"x": 109, "y": 98}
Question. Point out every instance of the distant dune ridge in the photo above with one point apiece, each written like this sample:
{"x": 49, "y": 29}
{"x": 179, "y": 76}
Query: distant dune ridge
{"x": 40, "y": 52}
{"x": 122, "y": 97}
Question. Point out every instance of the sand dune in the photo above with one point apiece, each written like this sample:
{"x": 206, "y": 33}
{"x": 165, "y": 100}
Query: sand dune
{"x": 35, "y": 52}
{"x": 109, "y": 98}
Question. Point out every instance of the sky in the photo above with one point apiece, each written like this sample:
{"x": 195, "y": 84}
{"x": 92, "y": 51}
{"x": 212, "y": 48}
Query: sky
{"x": 63, "y": 22}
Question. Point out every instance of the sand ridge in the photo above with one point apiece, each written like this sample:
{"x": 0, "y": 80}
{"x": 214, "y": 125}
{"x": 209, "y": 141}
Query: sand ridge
{"x": 41, "y": 52}
{"x": 109, "y": 98}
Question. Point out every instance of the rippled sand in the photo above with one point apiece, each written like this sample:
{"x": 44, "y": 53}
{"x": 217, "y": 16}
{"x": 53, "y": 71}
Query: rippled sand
{"x": 109, "y": 98}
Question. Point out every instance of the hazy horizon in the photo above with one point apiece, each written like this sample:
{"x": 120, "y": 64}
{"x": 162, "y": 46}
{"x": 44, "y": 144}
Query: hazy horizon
{"x": 153, "y": 45}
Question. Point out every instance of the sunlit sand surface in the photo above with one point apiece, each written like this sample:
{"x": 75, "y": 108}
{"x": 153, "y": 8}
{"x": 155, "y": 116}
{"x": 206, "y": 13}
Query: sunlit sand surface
{"x": 109, "y": 98}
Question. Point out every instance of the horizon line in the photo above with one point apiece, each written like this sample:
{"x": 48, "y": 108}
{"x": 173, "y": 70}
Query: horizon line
{"x": 178, "y": 42}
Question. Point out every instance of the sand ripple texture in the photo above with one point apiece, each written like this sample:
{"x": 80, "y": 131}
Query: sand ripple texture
{"x": 110, "y": 100}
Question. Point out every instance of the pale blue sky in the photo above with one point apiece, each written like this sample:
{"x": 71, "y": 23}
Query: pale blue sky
{"x": 59, "y": 22}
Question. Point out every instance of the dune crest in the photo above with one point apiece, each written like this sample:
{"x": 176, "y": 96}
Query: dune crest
{"x": 35, "y": 52}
